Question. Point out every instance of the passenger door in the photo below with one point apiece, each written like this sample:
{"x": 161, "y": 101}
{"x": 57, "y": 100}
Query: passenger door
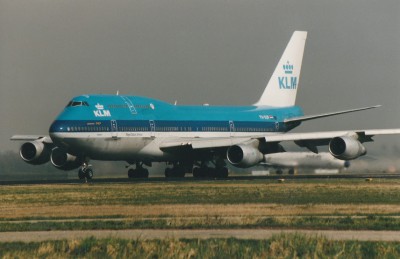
{"x": 232, "y": 128}
{"x": 114, "y": 129}
{"x": 152, "y": 128}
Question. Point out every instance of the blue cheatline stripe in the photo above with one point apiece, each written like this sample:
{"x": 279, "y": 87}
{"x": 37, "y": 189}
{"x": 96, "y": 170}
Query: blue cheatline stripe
{"x": 164, "y": 126}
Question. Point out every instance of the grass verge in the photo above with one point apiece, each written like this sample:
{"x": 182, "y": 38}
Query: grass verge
{"x": 280, "y": 246}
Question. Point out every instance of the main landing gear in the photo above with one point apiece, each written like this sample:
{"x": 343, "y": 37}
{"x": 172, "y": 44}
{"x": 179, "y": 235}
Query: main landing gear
{"x": 219, "y": 171}
{"x": 178, "y": 170}
{"x": 138, "y": 172}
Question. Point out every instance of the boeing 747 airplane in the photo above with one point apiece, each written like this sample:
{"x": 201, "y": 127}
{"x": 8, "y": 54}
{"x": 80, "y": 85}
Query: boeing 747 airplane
{"x": 191, "y": 139}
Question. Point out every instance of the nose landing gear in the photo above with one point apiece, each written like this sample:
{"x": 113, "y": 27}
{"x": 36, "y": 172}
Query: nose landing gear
{"x": 85, "y": 171}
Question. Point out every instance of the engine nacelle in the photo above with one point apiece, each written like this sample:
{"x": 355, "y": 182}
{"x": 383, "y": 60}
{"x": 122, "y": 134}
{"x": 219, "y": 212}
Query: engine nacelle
{"x": 35, "y": 152}
{"x": 244, "y": 155}
{"x": 346, "y": 148}
{"x": 64, "y": 161}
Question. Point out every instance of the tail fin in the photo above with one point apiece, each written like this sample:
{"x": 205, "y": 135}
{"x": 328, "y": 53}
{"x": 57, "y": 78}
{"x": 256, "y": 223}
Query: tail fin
{"x": 282, "y": 87}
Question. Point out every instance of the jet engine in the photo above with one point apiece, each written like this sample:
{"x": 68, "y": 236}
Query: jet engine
{"x": 243, "y": 155}
{"x": 64, "y": 161}
{"x": 35, "y": 152}
{"x": 346, "y": 148}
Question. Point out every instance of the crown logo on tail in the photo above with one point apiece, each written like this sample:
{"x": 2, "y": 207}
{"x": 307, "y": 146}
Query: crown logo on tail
{"x": 288, "y": 68}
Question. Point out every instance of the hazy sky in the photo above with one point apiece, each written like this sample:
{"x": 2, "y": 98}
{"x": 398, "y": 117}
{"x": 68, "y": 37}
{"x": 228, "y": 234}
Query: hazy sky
{"x": 219, "y": 52}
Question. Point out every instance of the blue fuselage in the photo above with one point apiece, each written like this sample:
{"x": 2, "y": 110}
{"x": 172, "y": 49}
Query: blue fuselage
{"x": 89, "y": 120}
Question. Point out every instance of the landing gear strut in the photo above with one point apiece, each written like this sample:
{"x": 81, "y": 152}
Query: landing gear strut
{"x": 138, "y": 172}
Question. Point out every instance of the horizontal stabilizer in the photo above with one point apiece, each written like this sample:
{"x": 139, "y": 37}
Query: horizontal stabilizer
{"x": 322, "y": 115}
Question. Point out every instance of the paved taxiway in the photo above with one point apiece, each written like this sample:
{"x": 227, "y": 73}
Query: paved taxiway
{"x": 191, "y": 179}
{"x": 37, "y": 236}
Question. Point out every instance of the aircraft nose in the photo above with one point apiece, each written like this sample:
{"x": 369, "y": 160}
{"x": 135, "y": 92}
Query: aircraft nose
{"x": 56, "y": 131}
{"x": 56, "y": 127}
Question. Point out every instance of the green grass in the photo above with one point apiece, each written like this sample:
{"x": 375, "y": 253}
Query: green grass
{"x": 127, "y": 206}
{"x": 280, "y": 246}
{"x": 309, "y": 222}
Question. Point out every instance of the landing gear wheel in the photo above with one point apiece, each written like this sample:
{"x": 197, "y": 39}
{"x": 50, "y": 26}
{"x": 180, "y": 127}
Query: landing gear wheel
{"x": 81, "y": 174}
{"x": 131, "y": 173}
{"x": 89, "y": 173}
{"x": 138, "y": 173}
{"x": 196, "y": 172}
{"x": 222, "y": 172}
{"x": 202, "y": 172}
{"x": 144, "y": 173}
{"x": 168, "y": 172}
{"x": 177, "y": 172}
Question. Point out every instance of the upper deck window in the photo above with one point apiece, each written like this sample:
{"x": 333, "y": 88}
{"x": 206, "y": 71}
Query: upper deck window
{"x": 77, "y": 103}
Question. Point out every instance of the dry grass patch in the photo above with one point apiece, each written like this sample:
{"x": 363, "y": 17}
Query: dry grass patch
{"x": 196, "y": 210}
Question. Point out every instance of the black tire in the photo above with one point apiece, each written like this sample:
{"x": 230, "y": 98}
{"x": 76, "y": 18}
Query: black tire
{"x": 196, "y": 172}
{"x": 200, "y": 172}
{"x": 168, "y": 172}
{"x": 222, "y": 172}
{"x": 144, "y": 173}
{"x": 89, "y": 173}
{"x": 81, "y": 174}
{"x": 131, "y": 173}
{"x": 180, "y": 171}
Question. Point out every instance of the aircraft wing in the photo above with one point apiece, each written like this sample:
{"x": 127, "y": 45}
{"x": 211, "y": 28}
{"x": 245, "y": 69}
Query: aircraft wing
{"x": 309, "y": 139}
{"x": 322, "y": 115}
{"x": 45, "y": 139}
{"x": 362, "y": 135}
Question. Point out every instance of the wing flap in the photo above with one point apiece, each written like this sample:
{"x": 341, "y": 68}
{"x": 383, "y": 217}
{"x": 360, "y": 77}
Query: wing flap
{"x": 200, "y": 143}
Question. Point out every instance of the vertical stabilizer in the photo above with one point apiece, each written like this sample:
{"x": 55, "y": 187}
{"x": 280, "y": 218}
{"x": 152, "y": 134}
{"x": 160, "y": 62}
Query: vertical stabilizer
{"x": 282, "y": 87}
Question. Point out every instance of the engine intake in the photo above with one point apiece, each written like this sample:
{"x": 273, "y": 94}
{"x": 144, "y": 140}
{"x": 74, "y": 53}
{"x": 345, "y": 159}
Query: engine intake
{"x": 346, "y": 148}
{"x": 64, "y": 161}
{"x": 244, "y": 155}
{"x": 35, "y": 153}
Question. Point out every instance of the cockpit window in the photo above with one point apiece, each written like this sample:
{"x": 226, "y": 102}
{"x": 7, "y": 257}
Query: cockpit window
{"x": 77, "y": 103}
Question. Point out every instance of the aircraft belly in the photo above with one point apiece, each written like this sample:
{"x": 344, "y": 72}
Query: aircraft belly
{"x": 121, "y": 148}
